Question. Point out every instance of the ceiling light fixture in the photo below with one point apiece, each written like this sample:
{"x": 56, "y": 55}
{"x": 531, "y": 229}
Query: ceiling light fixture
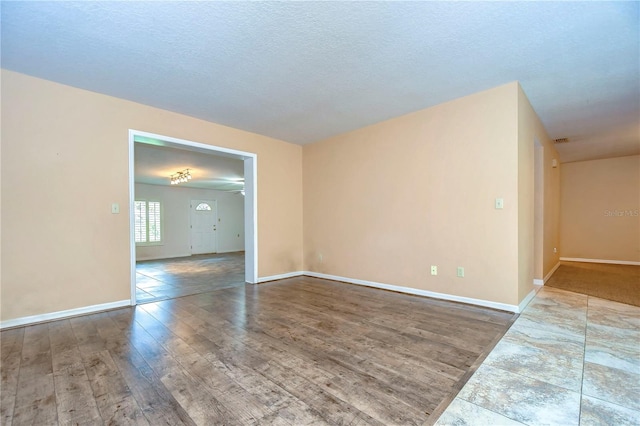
{"x": 180, "y": 177}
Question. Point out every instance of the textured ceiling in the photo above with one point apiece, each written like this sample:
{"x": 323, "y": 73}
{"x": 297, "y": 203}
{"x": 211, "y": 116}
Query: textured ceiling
{"x": 155, "y": 164}
{"x": 304, "y": 71}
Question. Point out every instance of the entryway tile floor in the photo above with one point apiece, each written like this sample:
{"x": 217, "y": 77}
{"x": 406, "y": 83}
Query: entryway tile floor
{"x": 569, "y": 359}
{"x": 183, "y": 276}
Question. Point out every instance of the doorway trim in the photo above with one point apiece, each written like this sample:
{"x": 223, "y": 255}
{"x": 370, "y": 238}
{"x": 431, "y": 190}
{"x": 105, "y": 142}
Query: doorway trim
{"x": 250, "y": 199}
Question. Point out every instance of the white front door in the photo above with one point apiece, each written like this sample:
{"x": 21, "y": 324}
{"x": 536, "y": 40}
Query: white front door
{"x": 204, "y": 221}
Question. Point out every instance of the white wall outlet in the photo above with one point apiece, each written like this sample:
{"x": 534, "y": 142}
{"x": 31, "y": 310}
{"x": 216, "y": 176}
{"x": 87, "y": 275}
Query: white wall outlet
{"x": 320, "y": 257}
{"x": 115, "y": 208}
{"x": 555, "y": 250}
{"x": 499, "y": 203}
{"x": 460, "y": 271}
{"x": 434, "y": 270}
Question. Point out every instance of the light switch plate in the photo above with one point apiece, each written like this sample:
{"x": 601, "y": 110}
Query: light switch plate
{"x": 115, "y": 208}
{"x": 499, "y": 203}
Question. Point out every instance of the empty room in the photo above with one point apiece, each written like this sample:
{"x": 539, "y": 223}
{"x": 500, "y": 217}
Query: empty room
{"x": 341, "y": 213}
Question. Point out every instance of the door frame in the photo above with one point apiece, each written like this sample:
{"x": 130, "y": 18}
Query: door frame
{"x": 215, "y": 207}
{"x": 250, "y": 160}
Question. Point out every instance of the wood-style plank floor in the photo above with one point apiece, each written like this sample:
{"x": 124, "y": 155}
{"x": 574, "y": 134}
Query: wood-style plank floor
{"x": 183, "y": 276}
{"x": 292, "y": 352}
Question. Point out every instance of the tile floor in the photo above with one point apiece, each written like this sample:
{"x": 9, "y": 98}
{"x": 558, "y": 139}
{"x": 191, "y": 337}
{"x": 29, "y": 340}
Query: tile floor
{"x": 183, "y": 276}
{"x": 569, "y": 359}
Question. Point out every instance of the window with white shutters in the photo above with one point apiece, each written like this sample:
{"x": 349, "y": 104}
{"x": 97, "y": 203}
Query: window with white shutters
{"x": 148, "y": 222}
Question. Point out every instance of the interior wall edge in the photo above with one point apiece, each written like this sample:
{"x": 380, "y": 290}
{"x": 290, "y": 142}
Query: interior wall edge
{"x": 280, "y": 276}
{"x": 610, "y": 261}
{"x": 551, "y": 272}
{"x": 528, "y": 298}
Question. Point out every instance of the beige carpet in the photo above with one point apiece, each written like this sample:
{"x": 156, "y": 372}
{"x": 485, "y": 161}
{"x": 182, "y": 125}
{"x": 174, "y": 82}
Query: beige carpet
{"x": 620, "y": 283}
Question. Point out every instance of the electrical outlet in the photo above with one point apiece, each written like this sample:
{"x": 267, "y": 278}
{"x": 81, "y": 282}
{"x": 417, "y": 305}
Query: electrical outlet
{"x": 499, "y": 203}
{"x": 434, "y": 270}
{"x": 460, "y": 271}
{"x": 555, "y": 250}
{"x": 320, "y": 257}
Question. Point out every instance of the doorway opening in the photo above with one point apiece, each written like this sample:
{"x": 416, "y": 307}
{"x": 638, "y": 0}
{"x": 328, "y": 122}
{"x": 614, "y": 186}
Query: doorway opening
{"x": 245, "y": 232}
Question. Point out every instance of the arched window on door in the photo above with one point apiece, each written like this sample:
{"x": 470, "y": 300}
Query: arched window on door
{"x": 203, "y": 206}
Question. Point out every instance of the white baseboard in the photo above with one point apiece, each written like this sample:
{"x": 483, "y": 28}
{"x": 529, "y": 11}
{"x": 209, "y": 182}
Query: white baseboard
{"x": 551, "y": 272}
{"x": 229, "y": 251}
{"x": 35, "y": 319}
{"x": 280, "y": 277}
{"x": 527, "y": 299}
{"x": 613, "y": 262}
{"x": 546, "y": 277}
{"x": 418, "y": 292}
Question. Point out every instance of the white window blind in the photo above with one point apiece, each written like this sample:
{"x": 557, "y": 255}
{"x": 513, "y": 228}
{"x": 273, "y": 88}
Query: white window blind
{"x": 154, "y": 221}
{"x": 140, "y": 227}
{"x": 148, "y": 222}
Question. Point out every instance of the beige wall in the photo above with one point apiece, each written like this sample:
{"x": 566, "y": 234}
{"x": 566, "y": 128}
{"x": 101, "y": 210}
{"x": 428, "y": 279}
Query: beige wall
{"x": 385, "y": 202}
{"x": 532, "y": 264}
{"x": 600, "y": 203}
{"x": 382, "y": 203}
{"x": 65, "y": 160}
{"x": 1, "y": 202}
